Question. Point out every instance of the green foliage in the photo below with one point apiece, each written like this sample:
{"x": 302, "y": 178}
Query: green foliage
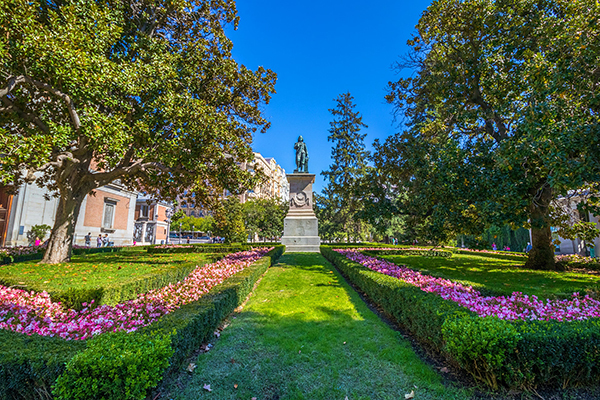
{"x": 420, "y": 312}
{"x": 194, "y": 224}
{"x": 115, "y": 366}
{"x": 104, "y": 278}
{"x": 481, "y": 345}
{"x": 308, "y": 335}
{"x": 30, "y": 365}
{"x": 264, "y": 217}
{"x": 38, "y": 231}
{"x": 340, "y": 203}
{"x": 521, "y": 354}
{"x": 501, "y": 116}
{"x": 410, "y": 252}
{"x": 195, "y": 322}
{"x": 229, "y": 221}
{"x": 152, "y": 98}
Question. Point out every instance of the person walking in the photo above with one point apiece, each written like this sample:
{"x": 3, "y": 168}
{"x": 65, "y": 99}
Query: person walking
{"x": 99, "y": 240}
{"x": 88, "y": 239}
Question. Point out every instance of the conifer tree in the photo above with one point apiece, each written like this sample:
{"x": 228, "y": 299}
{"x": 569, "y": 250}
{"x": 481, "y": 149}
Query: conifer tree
{"x": 349, "y": 165}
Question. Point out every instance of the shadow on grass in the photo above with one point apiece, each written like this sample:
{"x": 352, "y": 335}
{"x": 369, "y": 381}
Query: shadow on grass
{"x": 314, "y": 340}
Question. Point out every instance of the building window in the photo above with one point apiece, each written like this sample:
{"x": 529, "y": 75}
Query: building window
{"x": 144, "y": 211}
{"x": 109, "y": 214}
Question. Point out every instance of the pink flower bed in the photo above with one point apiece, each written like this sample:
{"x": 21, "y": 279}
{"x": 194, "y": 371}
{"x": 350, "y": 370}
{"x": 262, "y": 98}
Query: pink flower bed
{"x": 29, "y": 312}
{"x": 516, "y": 306}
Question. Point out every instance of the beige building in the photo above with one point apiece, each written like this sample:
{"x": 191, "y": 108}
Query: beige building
{"x": 275, "y": 186}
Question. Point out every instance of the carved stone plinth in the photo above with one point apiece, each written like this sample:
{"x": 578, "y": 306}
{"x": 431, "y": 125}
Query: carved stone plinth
{"x": 300, "y": 226}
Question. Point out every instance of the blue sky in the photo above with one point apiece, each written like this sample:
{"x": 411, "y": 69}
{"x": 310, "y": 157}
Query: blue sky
{"x": 320, "y": 49}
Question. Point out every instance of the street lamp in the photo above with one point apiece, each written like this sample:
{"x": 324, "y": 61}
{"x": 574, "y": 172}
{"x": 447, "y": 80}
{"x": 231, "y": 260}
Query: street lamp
{"x": 179, "y": 232}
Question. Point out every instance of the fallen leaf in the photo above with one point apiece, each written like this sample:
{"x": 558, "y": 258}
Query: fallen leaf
{"x": 235, "y": 386}
{"x": 344, "y": 342}
{"x": 299, "y": 351}
{"x": 410, "y": 395}
{"x": 191, "y": 367}
{"x": 207, "y": 387}
{"x": 254, "y": 398}
{"x": 444, "y": 370}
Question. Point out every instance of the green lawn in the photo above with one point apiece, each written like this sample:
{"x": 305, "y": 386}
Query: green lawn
{"x": 305, "y": 334}
{"x": 496, "y": 276}
{"x": 95, "y": 270}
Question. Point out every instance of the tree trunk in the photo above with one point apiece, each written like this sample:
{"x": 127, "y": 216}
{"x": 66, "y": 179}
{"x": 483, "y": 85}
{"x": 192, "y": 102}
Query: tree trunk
{"x": 541, "y": 255}
{"x": 61, "y": 237}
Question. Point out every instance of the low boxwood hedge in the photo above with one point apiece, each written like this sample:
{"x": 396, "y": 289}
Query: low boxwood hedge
{"x": 513, "y": 256}
{"x": 409, "y": 252}
{"x": 30, "y": 365}
{"x": 514, "y": 354}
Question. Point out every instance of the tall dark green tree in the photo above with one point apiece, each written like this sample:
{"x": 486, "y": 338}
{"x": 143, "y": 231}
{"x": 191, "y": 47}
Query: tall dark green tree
{"x": 147, "y": 93}
{"x": 502, "y": 114}
{"x": 349, "y": 166}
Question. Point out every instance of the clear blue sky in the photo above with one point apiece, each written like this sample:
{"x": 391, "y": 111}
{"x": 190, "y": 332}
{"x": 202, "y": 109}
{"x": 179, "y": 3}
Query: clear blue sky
{"x": 320, "y": 49}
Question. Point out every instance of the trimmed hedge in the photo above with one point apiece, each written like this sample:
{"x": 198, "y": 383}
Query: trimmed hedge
{"x": 30, "y": 365}
{"x": 195, "y": 248}
{"x": 513, "y": 256}
{"x": 409, "y": 252}
{"x": 195, "y": 322}
{"x": 515, "y": 354}
{"x": 111, "y": 295}
{"x": 420, "y": 312}
{"x": 76, "y": 251}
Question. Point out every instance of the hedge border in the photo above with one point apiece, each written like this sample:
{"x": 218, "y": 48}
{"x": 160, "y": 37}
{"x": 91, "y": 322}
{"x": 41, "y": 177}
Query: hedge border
{"x": 30, "y": 365}
{"x": 497, "y": 353}
{"x": 408, "y": 252}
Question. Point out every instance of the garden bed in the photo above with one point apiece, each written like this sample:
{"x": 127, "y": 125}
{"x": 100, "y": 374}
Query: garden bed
{"x": 524, "y": 353}
{"x": 104, "y": 278}
{"x": 30, "y": 371}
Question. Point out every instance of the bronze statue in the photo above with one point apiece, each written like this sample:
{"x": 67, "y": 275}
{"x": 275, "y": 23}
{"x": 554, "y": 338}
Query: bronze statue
{"x": 301, "y": 156}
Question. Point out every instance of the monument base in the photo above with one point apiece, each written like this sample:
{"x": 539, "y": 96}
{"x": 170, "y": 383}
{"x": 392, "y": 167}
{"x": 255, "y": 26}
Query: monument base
{"x": 301, "y": 227}
{"x": 300, "y": 234}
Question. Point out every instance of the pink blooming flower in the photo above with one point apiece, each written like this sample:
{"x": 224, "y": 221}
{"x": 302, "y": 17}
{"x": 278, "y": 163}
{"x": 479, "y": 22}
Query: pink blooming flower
{"x": 29, "y": 312}
{"x": 516, "y": 306}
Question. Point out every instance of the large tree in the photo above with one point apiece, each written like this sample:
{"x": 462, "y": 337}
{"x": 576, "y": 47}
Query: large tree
{"x": 349, "y": 166}
{"x": 502, "y": 114}
{"x": 142, "y": 92}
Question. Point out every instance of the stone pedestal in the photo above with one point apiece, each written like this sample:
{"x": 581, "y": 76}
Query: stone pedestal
{"x": 301, "y": 227}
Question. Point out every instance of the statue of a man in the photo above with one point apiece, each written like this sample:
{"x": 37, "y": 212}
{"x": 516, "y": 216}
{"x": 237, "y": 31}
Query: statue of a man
{"x": 301, "y": 156}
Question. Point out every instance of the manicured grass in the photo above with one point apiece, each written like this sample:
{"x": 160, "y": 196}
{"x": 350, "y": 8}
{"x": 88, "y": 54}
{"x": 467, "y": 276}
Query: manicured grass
{"x": 95, "y": 270}
{"x": 496, "y": 276}
{"x": 305, "y": 334}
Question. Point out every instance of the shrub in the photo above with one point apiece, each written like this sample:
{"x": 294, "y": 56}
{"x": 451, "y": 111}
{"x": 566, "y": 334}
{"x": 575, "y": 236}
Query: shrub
{"x": 420, "y": 312}
{"x": 30, "y": 365}
{"x": 517, "y": 354}
{"x": 481, "y": 346}
{"x": 115, "y": 366}
{"x": 409, "y": 252}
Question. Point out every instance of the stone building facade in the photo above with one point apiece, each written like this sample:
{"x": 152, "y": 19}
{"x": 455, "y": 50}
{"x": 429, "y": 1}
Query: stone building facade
{"x": 151, "y": 221}
{"x": 108, "y": 210}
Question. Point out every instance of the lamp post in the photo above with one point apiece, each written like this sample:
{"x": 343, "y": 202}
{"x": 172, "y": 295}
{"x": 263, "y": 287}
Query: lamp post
{"x": 180, "y": 233}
